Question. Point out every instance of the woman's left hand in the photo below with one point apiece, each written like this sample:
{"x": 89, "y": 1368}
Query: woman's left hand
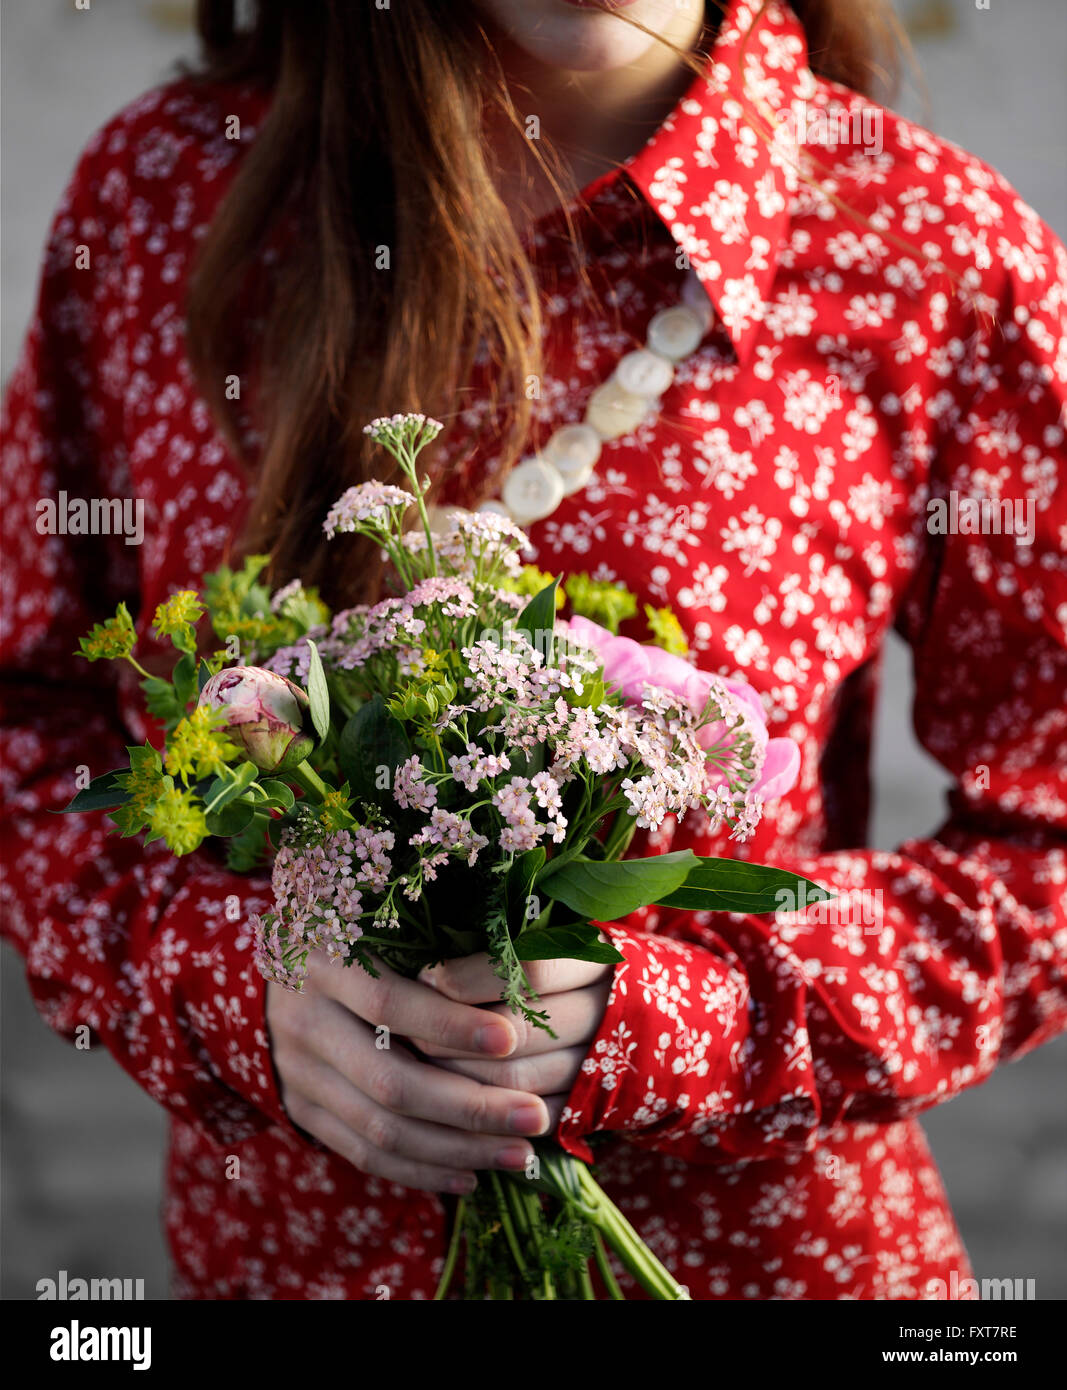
{"x": 573, "y": 993}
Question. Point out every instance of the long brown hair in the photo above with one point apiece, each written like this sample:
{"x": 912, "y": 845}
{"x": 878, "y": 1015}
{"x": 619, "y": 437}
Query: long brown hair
{"x": 373, "y": 149}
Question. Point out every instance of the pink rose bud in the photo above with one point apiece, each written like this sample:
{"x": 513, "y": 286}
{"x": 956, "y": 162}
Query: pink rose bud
{"x": 266, "y": 714}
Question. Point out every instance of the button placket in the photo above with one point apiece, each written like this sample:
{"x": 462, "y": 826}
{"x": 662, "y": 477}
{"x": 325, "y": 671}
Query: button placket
{"x": 538, "y": 484}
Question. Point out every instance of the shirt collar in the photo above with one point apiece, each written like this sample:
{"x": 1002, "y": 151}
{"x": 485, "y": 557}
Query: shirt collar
{"x": 716, "y": 175}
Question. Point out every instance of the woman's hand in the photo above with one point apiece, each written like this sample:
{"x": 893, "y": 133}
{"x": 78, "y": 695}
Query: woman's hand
{"x": 381, "y": 1108}
{"x": 574, "y": 993}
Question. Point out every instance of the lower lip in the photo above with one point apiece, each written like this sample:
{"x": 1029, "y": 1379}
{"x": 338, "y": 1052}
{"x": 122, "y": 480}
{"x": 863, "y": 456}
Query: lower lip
{"x": 605, "y": 5}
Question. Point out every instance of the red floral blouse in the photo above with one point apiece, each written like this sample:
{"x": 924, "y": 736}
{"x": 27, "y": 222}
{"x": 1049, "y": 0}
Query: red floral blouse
{"x": 755, "y": 1080}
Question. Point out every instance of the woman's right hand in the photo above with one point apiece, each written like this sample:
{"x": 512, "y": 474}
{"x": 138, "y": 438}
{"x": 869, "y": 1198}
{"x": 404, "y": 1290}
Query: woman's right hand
{"x": 348, "y": 1080}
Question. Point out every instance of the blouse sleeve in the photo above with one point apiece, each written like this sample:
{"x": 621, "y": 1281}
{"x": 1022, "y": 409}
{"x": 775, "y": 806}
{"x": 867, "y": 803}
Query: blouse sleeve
{"x": 124, "y": 946}
{"x": 734, "y": 1037}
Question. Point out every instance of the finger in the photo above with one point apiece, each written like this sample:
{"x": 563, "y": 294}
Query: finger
{"x": 573, "y": 1017}
{"x": 555, "y": 1106}
{"x": 471, "y": 979}
{"x": 426, "y": 1177}
{"x": 398, "y": 1136}
{"x": 543, "y": 1075}
{"x": 399, "y": 1082}
{"x": 414, "y": 1010}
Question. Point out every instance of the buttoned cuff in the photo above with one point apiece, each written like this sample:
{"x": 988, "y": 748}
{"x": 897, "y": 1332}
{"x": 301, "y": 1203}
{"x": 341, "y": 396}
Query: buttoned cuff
{"x": 664, "y": 1064}
{"x": 205, "y": 977}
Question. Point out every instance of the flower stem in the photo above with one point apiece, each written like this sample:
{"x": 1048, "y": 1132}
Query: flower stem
{"x": 139, "y": 668}
{"x": 604, "y": 1266}
{"x": 505, "y": 1221}
{"x": 534, "y": 1223}
{"x": 653, "y": 1277}
{"x": 620, "y": 835}
{"x": 453, "y": 1251}
{"x": 408, "y": 461}
{"x": 305, "y": 777}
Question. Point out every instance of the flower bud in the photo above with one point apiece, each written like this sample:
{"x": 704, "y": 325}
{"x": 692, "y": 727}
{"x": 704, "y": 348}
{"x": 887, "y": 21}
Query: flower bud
{"x": 266, "y": 715}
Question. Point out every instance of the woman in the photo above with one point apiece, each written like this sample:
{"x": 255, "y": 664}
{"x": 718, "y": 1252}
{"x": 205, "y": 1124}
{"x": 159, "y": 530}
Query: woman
{"x": 365, "y": 211}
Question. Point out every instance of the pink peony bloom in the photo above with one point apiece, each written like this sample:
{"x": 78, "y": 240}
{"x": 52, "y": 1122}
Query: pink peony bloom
{"x": 266, "y": 715}
{"x": 629, "y": 666}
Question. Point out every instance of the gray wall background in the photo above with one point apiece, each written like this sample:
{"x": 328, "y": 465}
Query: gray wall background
{"x": 81, "y": 1148}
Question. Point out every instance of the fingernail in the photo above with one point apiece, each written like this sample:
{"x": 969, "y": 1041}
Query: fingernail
{"x": 427, "y": 977}
{"x": 494, "y": 1037}
{"x": 514, "y": 1156}
{"x": 462, "y": 1187}
{"x": 526, "y": 1119}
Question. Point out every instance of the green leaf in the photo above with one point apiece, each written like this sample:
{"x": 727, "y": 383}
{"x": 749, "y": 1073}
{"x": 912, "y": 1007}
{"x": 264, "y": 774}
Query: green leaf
{"x": 278, "y": 791}
{"x": 230, "y": 594}
{"x": 224, "y": 789}
{"x": 306, "y": 609}
{"x": 533, "y": 760}
{"x": 102, "y": 794}
{"x": 203, "y": 675}
{"x": 167, "y": 700}
{"x": 606, "y": 891}
{"x": 162, "y": 701}
{"x": 275, "y": 826}
{"x": 594, "y": 693}
{"x": 571, "y": 941}
{"x": 185, "y": 641}
{"x": 467, "y": 943}
{"x": 232, "y": 819}
{"x": 129, "y": 819}
{"x": 730, "y": 885}
{"x": 538, "y": 620}
{"x": 372, "y": 739}
{"x": 518, "y": 886}
{"x": 318, "y": 694}
{"x": 249, "y": 849}
{"x": 184, "y": 680}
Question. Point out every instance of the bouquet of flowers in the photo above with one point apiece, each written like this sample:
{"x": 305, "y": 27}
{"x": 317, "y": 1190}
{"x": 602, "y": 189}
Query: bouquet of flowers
{"x": 452, "y": 770}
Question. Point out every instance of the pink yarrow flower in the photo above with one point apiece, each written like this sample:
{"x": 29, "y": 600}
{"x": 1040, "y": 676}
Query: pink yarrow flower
{"x": 410, "y": 790}
{"x": 367, "y": 503}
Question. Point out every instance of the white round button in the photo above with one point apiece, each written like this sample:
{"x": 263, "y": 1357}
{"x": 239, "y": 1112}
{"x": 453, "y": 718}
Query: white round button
{"x": 573, "y": 450}
{"x": 675, "y": 333}
{"x": 644, "y": 373}
{"x": 533, "y": 489}
{"x": 612, "y": 410}
{"x": 695, "y": 296}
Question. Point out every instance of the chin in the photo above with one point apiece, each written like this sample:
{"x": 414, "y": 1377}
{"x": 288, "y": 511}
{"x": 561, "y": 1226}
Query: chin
{"x": 561, "y": 35}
